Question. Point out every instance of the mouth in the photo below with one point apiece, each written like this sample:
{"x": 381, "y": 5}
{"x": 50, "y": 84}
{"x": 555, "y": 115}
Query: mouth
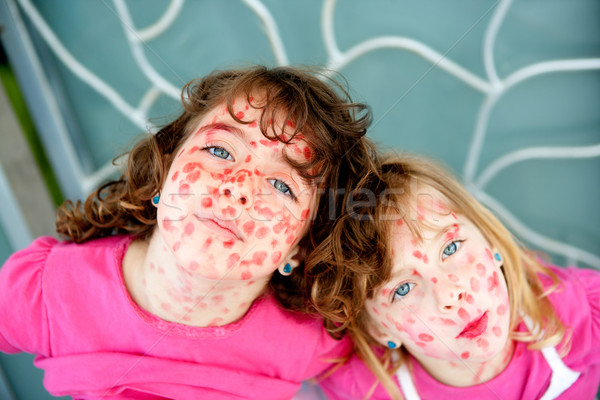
{"x": 475, "y": 327}
{"x": 221, "y": 227}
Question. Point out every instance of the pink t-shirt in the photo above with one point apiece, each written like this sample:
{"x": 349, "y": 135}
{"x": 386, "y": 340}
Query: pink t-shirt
{"x": 528, "y": 374}
{"x": 67, "y": 303}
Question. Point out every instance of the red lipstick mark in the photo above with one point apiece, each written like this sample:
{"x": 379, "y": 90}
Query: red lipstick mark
{"x": 493, "y": 282}
{"x": 425, "y": 337}
{"x": 475, "y": 285}
{"x": 475, "y": 328}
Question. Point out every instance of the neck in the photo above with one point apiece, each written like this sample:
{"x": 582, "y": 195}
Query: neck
{"x": 178, "y": 293}
{"x": 460, "y": 373}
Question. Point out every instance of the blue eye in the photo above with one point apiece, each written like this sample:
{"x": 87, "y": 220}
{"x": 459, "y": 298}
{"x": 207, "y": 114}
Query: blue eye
{"x": 451, "y": 249}
{"x": 403, "y": 289}
{"x": 282, "y": 187}
{"x": 219, "y": 152}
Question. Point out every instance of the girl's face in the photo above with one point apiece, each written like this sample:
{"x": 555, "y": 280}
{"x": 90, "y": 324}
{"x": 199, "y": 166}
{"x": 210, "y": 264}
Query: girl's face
{"x": 231, "y": 207}
{"x": 447, "y": 299}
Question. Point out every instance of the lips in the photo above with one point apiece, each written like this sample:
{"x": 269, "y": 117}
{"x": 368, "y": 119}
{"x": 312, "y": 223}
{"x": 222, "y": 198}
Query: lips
{"x": 222, "y": 227}
{"x": 475, "y": 327}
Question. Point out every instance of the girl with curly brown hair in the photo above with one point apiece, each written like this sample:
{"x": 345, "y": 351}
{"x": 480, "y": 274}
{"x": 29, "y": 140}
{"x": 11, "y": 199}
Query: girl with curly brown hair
{"x": 171, "y": 283}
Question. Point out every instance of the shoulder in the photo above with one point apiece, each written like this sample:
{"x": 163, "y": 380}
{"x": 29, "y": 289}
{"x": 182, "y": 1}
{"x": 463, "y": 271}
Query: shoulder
{"x": 299, "y": 338}
{"x": 22, "y": 307}
{"x": 577, "y": 304}
{"x": 352, "y": 380}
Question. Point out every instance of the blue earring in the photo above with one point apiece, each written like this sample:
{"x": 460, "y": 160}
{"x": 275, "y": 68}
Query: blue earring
{"x": 156, "y": 199}
{"x": 287, "y": 269}
{"x": 497, "y": 257}
{"x": 392, "y": 345}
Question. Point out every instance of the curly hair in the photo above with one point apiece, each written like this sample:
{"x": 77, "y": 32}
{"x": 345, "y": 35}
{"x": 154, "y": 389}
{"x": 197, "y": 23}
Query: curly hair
{"x": 396, "y": 194}
{"x": 319, "y": 108}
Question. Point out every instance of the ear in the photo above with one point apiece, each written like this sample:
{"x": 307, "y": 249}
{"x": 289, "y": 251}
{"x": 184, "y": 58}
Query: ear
{"x": 155, "y": 200}
{"x": 497, "y": 257}
{"x": 293, "y": 259}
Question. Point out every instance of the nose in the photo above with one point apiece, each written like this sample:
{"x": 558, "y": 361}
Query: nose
{"x": 239, "y": 189}
{"x": 449, "y": 295}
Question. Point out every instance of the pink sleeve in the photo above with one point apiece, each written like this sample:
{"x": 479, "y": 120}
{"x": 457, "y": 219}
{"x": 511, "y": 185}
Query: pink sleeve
{"x": 23, "y": 321}
{"x": 590, "y": 285}
{"x": 328, "y": 351}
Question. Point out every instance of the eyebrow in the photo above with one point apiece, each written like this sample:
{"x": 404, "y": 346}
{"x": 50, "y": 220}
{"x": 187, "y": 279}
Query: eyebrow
{"x": 445, "y": 230}
{"x": 223, "y": 127}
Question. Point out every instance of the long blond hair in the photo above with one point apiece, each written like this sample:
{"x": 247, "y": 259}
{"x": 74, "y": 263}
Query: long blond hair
{"x": 521, "y": 268}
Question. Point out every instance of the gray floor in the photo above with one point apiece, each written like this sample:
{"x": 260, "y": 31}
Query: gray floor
{"x": 22, "y": 173}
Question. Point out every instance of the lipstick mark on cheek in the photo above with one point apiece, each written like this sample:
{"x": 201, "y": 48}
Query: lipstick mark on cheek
{"x": 453, "y": 278}
{"x": 497, "y": 331}
{"x": 463, "y": 314}
{"x": 425, "y": 337}
{"x": 501, "y": 309}
{"x": 275, "y": 257}
{"x": 434, "y": 280}
{"x": 416, "y": 273}
{"x": 470, "y": 258}
{"x": 493, "y": 282}
{"x": 206, "y": 202}
{"x": 480, "y": 269}
{"x": 248, "y": 228}
{"x": 189, "y": 229}
{"x": 417, "y": 254}
{"x": 465, "y": 355}
{"x": 475, "y": 284}
{"x": 262, "y": 232}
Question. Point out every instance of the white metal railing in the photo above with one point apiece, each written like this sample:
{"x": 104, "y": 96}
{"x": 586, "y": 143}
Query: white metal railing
{"x": 492, "y": 86}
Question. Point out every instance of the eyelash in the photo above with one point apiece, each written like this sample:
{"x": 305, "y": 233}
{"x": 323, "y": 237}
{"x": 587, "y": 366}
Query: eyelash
{"x": 457, "y": 243}
{"x": 289, "y": 193}
{"x": 396, "y": 296}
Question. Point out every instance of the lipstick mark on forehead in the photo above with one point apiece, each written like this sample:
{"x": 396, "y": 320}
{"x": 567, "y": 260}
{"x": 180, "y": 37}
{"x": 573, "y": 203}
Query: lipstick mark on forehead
{"x": 453, "y": 234}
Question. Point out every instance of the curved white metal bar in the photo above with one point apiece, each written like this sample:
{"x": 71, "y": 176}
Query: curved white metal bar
{"x": 547, "y": 67}
{"x": 544, "y": 242}
{"x": 148, "y": 100}
{"x": 483, "y": 117}
{"x": 437, "y": 59}
{"x": 77, "y": 68}
{"x": 511, "y": 81}
{"x": 534, "y": 153}
{"x": 327, "y": 15}
{"x": 165, "y": 21}
{"x": 92, "y": 181}
{"x": 491, "y": 34}
{"x": 138, "y": 53}
{"x": 271, "y": 30}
